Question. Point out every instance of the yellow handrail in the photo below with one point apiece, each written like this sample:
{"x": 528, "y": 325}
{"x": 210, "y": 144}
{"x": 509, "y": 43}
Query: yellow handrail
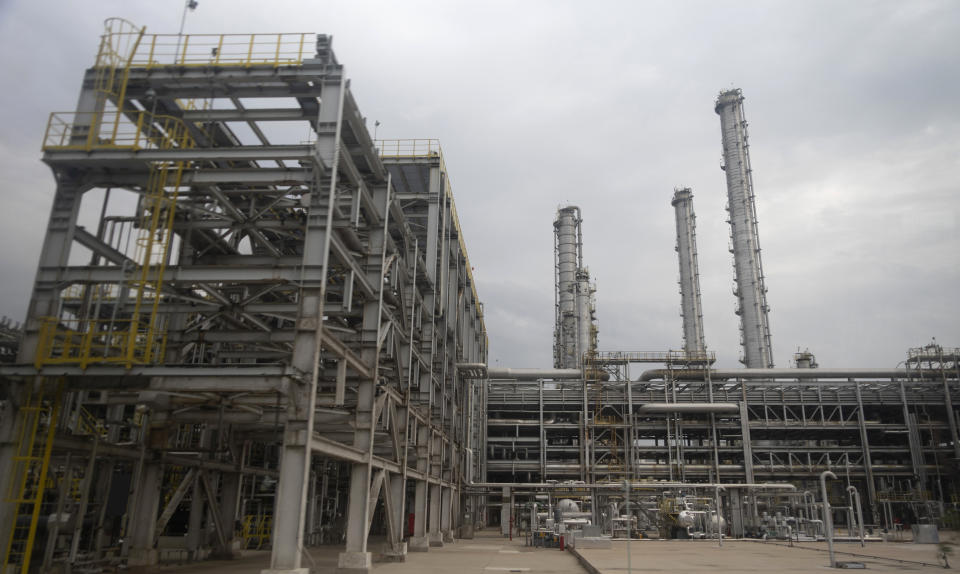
{"x": 197, "y": 50}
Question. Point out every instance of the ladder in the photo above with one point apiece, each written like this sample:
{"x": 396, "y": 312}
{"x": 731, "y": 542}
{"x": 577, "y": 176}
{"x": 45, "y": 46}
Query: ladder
{"x": 34, "y": 439}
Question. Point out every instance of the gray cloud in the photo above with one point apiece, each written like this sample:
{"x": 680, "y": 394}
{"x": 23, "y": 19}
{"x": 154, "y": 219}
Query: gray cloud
{"x": 854, "y": 128}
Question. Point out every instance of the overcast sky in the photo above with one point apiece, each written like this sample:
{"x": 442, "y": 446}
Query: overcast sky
{"x": 854, "y": 112}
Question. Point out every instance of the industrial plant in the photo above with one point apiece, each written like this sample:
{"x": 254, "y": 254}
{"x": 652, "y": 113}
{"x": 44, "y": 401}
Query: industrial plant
{"x": 265, "y": 344}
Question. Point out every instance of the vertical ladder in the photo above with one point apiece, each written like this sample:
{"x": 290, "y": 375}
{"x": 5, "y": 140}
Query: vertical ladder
{"x": 34, "y": 439}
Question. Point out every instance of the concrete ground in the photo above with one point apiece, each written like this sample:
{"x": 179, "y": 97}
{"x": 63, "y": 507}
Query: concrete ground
{"x": 488, "y": 553}
{"x": 754, "y": 556}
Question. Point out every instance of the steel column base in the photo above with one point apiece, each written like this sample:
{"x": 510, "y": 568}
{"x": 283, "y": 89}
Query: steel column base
{"x": 448, "y": 536}
{"x": 436, "y": 539}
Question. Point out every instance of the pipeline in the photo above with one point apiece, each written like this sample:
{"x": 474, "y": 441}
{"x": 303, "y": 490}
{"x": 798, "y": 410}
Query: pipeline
{"x": 721, "y": 374}
{"x": 656, "y": 408}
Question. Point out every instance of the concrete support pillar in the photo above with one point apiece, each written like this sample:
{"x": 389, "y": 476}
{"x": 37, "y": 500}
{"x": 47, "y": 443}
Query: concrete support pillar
{"x": 505, "y": 512}
{"x": 436, "y": 536}
{"x": 736, "y": 512}
{"x": 195, "y": 524}
{"x": 419, "y": 541}
{"x": 446, "y": 513}
{"x": 395, "y": 550}
{"x": 229, "y": 500}
{"x": 142, "y": 521}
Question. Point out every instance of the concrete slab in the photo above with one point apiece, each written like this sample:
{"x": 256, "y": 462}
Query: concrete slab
{"x": 750, "y": 556}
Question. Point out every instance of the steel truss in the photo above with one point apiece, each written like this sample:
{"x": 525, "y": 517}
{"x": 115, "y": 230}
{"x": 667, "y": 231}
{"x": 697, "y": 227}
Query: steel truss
{"x": 895, "y": 439}
{"x": 285, "y": 352}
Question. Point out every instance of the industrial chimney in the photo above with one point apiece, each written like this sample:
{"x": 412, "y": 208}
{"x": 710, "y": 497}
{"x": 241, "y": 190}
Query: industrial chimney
{"x": 690, "y": 310}
{"x": 745, "y": 244}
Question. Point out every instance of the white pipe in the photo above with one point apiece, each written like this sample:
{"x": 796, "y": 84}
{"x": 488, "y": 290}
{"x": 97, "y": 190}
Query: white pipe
{"x": 533, "y": 374}
{"x": 689, "y": 408}
{"x": 827, "y": 516}
{"x": 719, "y": 374}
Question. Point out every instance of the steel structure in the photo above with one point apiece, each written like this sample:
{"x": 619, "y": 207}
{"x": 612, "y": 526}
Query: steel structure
{"x": 690, "y": 308}
{"x": 892, "y": 433}
{"x": 261, "y": 327}
{"x": 575, "y": 330}
{"x": 750, "y": 290}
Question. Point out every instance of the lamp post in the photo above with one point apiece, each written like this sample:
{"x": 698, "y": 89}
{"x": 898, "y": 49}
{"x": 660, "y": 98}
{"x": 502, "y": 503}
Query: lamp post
{"x": 188, "y": 5}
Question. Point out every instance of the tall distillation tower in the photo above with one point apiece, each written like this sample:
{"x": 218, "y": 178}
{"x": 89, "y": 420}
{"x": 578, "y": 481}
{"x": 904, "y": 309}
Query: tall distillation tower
{"x": 750, "y": 289}
{"x": 575, "y": 332}
{"x": 690, "y": 309}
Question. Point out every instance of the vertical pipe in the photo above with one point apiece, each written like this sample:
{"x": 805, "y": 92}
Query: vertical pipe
{"x": 750, "y": 289}
{"x": 827, "y": 516}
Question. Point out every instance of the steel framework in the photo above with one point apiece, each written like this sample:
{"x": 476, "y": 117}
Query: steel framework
{"x": 265, "y": 312}
{"x": 892, "y": 434}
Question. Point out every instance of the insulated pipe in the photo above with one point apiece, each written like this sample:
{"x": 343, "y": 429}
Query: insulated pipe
{"x": 689, "y": 408}
{"x": 720, "y": 374}
{"x": 533, "y": 374}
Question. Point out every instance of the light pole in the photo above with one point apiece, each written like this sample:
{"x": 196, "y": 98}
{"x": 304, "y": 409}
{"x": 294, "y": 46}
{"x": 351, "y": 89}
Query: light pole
{"x": 191, "y": 5}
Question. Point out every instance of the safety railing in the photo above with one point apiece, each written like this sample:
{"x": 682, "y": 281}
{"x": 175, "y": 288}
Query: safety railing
{"x": 409, "y": 148}
{"x": 120, "y": 341}
{"x": 132, "y": 130}
{"x": 244, "y": 50}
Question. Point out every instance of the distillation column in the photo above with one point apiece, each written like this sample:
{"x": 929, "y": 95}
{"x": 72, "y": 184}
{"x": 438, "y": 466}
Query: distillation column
{"x": 690, "y": 309}
{"x": 750, "y": 289}
{"x": 575, "y": 331}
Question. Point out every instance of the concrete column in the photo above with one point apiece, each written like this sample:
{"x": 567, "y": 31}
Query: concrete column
{"x": 195, "y": 531}
{"x": 419, "y": 541}
{"x": 436, "y": 536}
{"x": 446, "y": 513}
{"x": 229, "y": 500}
{"x": 142, "y": 522}
{"x": 505, "y": 512}
{"x": 396, "y": 549}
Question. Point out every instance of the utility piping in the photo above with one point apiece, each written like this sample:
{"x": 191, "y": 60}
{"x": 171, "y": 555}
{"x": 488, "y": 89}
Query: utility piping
{"x": 720, "y": 374}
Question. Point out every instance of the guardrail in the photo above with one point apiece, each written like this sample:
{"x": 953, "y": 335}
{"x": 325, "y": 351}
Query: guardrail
{"x": 131, "y": 130}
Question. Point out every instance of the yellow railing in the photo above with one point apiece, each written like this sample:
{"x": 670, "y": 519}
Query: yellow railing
{"x": 256, "y": 529}
{"x": 123, "y": 341}
{"x": 200, "y": 50}
{"x": 132, "y": 130}
{"x": 409, "y": 148}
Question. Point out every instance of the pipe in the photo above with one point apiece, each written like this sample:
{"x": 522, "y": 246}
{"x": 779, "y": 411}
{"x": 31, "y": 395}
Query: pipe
{"x": 718, "y": 374}
{"x": 689, "y": 408}
{"x": 827, "y": 517}
{"x": 533, "y": 374}
{"x": 634, "y": 485}
{"x": 856, "y": 499}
